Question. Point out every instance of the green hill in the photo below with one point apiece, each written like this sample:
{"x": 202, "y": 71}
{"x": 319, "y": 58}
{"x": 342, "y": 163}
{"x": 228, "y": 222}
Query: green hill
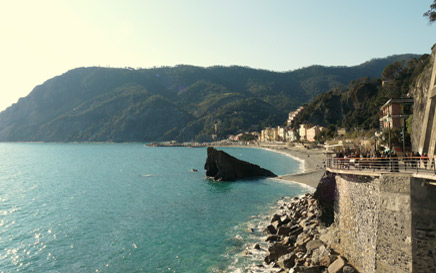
{"x": 182, "y": 102}
{"x": 358, "y": 104}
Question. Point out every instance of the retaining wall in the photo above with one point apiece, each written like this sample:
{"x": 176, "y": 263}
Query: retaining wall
{"x": 386, "y": 222}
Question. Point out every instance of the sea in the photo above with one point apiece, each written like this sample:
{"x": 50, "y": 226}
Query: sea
{"x": 131, "y": 208}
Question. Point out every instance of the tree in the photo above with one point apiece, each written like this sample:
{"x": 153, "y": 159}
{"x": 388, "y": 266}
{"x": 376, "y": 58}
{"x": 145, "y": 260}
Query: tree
{"x": 393, "y": 71}
{"x": 321, "y": 137}
{"x": 394, "y": 136}
{"x": 396, "y": 139}
{"x": 248, "y": 137}
{"x": 409, "y": 124}
{"x": 431, "y": 13}
{"x": 326, "y": 134}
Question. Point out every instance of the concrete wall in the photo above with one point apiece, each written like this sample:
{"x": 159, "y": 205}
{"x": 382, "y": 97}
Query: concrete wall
{"x": 394, "y": 229}
{"x": 423, "y": 204}
{"x": 387, "y": 223}
{"x": 356, "y": 216}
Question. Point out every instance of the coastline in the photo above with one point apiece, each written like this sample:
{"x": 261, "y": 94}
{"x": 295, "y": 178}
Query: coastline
{"x": 256, "y": 247}
{"x": 282, "y": 247}
{"x": 311, "y": 163}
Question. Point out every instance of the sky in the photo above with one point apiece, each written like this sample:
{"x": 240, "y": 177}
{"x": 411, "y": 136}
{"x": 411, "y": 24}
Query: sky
{"x": 43, "y": 39}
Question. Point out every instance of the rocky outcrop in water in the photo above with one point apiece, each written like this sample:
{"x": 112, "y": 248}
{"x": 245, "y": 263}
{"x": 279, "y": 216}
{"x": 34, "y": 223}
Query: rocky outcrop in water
{"x": 300, "y": 242}
{"x": 223, "y": 167}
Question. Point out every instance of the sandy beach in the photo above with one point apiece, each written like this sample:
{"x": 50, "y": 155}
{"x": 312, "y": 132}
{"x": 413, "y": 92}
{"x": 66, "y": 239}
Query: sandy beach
{"x": 312, "y": 159}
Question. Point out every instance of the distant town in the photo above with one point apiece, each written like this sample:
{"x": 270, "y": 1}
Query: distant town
{"x": 393, "y": 116}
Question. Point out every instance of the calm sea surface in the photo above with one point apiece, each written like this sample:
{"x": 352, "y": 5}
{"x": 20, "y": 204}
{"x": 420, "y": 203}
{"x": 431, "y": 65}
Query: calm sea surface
{"x": 129, "y": 208}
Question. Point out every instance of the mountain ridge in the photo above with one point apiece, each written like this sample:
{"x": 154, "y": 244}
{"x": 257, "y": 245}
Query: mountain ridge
{"x": 358, "y": 104}
{"x": 182, "y": 102}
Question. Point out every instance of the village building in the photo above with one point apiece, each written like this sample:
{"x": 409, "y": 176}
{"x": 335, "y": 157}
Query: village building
{"x": 302, "y": 131}
{"x": 395, "y": 112}
{"x": 281, "y": 133}
{"x": 263, "y": 134}
{"x": 236, "y": 138}
{"x": 341, "y": 131}
{"x": 291, "y": 135}
{"x": 269, "y": 135}
{"x": 312, "y": 132}
{"x": 293, "y": 115}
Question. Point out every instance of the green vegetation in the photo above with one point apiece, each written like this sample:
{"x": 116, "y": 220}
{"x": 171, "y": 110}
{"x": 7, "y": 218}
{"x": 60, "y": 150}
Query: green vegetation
{"x": 409, "y": 124}
{"x": 190, "y": 103}
{"x": 357, "y": 106}
{"x": 326, "y": 134}
{"x": 396, "y": 139}
{"x": 248, "y": 137}
{"x": 431, "y": 13}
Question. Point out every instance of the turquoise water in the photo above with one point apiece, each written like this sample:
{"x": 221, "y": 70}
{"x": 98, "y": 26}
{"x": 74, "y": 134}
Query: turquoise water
{"x": 127, "y": 208}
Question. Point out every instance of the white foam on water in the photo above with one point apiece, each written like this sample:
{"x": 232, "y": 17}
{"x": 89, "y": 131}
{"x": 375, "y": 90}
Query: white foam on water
{"x": 302, "y": 162}
{"x": 309, "y": 188}
{"x": 249, "y": 259}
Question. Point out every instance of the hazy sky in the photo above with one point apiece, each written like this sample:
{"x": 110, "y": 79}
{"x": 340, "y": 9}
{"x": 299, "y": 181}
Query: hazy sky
{"x": 42, "y": 39}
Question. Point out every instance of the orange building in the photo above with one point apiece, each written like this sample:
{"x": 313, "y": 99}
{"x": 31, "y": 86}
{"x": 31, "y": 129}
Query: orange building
{"x": 395, "y": 112}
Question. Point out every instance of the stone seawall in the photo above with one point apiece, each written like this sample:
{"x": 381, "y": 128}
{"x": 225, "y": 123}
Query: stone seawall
{"x": 386, "y": 223}
{"x": 423, "y": 204}
{"x": 356, "y": 217}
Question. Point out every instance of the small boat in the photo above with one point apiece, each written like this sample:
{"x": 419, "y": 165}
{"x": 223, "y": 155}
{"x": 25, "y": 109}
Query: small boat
{"x": 194, "y": 170}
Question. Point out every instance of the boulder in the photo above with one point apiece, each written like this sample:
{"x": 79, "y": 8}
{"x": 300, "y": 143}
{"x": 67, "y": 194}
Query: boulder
{"x": 287, "y": 261}
{"x": 223, "y": 167}
{"x": 337, "y": 265}
{"x": 272, "y": 238}
{"x": 275, "y": 217}
{"x": 276, "y": 224}
{"x": 275, "y": 251}
{"x": 284, "y": 230}
{"x": 312, "y": 269}
{"x": 302, "y": 239}
{"x": 326, "y": 260}
{"x": 312, "y": 245}
{"x": 271, "y": 229}
{"x": 348, "y": 269}
{"x": 296, "y": 230}
{"x": 289, "y": 240}
{"x": 321, "y": 256}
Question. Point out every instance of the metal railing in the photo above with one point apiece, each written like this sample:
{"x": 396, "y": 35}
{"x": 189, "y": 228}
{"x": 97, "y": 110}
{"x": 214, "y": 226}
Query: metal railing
{"x": 383, "y": 164}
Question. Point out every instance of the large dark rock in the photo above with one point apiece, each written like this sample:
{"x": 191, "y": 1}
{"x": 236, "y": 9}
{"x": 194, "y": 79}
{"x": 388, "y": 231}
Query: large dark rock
{"x": 224, "y": 167}
{"x": 276, "y": 251}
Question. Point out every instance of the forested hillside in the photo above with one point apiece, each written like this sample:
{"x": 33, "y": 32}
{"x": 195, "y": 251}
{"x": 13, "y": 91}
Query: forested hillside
{"x": 358, "y": 104}
{"x": 182, "y": 103}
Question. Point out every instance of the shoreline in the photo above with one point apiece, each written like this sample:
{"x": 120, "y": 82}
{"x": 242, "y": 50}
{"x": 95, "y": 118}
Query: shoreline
{"x": 311, "y": 170}
{"x": 311, "y": 163}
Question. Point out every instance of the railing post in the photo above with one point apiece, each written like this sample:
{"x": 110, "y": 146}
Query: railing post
{"x": 390, "y": 163}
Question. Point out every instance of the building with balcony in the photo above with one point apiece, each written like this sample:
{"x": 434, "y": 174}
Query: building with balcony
{"x": 395, "y": 112}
